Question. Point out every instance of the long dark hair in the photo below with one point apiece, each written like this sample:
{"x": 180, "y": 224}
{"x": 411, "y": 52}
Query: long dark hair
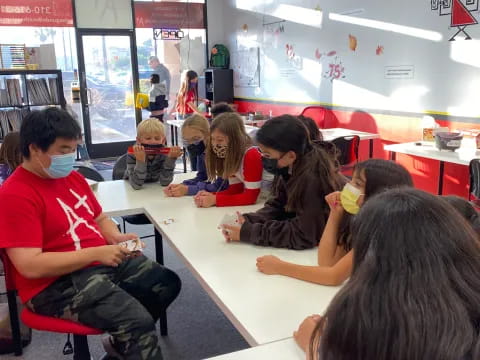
{"x": 379, "y": 175}
{"x": 286, "y": 133}
{"x": 414, "y": 292}
{"x": 10, "y": 151}
{"x": 465, "y": 209}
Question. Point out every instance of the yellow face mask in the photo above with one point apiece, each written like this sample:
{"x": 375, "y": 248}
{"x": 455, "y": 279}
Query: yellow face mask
{"x": 349, "y": 198}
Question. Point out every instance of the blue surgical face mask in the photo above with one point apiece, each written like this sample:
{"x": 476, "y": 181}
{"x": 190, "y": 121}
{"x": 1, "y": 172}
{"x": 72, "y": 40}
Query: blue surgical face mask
{"x": 61, "y": 165}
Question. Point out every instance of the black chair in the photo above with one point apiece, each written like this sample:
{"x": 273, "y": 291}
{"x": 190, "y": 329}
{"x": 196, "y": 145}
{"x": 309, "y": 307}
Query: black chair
{"x": 474, "y": 187}
{"x": 89, "y": 173}
{"x": 347, "y": 151}
{"x": 118, "y": 173}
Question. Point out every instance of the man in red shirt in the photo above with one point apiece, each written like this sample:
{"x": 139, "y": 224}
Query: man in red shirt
{"x": 65, "y": 251}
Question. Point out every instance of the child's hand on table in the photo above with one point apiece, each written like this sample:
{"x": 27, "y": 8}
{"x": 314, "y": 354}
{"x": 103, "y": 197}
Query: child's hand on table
{"x": 304, "y": 333}
{"x": 176, "y": 190}
{"x": 205, "y": 199}
{"x": 269, "y": 264}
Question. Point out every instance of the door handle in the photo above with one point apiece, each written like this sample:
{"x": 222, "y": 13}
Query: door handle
{"x": 89, "y": 97}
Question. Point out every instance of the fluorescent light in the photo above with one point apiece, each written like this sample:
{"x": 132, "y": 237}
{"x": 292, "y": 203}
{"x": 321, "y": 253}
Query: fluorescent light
{"x": 381, "y": 25}
{"x": 299, "y": 15}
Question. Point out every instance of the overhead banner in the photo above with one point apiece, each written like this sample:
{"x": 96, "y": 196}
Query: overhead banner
{"x": 179, "y": 15}
{"x": 38, "y": 13}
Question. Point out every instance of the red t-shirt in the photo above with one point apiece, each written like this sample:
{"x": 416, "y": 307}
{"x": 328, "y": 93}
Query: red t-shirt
{"x": 190, "y": 97}
{"x": 56, "y": 215}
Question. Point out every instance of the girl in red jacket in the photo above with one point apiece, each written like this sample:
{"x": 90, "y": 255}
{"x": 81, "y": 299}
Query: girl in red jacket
{"x": 230, "y": 155}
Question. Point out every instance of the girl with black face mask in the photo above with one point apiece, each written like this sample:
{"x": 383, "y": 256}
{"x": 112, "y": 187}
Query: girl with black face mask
{"x": 296, "y": 214}
{"x": 196, "y": 133}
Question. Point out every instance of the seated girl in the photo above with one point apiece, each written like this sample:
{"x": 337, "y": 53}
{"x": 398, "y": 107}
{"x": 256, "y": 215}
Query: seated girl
{"x": 231, "y": 156}
{"x": 195, "y": 133}
{"x": 294, "y": 217}
{"x": 335, "y": 254}
{"x": 465, "y": 209}
{"x": 414, "y": 290}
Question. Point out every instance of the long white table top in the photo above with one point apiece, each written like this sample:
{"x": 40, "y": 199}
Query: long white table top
{"x": 461, "y": 156}
{"x": 278, "y": 350}
{"x": 263, "y": 308}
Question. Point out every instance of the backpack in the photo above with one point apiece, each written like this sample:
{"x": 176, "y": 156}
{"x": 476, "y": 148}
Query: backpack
{"x": 219, "y": 57}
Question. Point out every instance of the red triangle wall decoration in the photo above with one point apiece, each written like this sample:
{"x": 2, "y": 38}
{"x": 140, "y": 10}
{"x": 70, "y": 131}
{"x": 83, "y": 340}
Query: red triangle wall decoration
{"x": 461, "y": 15}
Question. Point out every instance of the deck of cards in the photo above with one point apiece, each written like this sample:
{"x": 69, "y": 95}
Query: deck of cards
{"x": 229, "y": 219}
{"x": 132, "y": 245}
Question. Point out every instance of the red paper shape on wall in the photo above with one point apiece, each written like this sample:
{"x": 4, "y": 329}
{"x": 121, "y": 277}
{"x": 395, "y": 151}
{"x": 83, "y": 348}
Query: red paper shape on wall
{"x": 461, "y": 15}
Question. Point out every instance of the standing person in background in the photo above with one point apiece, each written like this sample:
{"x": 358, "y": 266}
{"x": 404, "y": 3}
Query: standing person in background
{"x": 157, "y": 97}
{"x": 187, "y": 104}
{"x": 10, "y": 155}
{"x": 161, "y": 70}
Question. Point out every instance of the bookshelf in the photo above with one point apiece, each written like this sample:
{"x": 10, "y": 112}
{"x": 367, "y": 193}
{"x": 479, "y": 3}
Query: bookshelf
{"x": 22, "y": 91}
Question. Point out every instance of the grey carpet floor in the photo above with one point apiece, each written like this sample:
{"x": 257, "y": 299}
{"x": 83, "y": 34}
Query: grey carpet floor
{"x": 197, "y": 327}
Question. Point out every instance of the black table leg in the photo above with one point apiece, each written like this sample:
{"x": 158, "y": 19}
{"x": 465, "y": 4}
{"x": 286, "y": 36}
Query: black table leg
{"x": 163, "y": 322}
{"x": 440, "y": 177}
{"x": 393, "y": 155}
{"x": 184, "y": 159}
{"x": 159, "y": 258}
{"x": 158, "y": 247}
{"x": 370, "y": 150}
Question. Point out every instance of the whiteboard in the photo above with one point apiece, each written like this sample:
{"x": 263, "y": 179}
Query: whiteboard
{"x": 368, "y": 55}
{"x": 246, "y": 68}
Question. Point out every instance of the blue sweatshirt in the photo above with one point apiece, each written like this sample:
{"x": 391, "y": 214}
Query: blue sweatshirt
{"x": 199, "y": 182}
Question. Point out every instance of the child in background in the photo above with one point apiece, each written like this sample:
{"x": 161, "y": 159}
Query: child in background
{"x": 335, "y": 254}
{"x": 157, "y": 97}
{"x": 142, "y": 167}
{"x": 187, "y": 103}
{"x": 195, "y": 133}
{"x": 414, "y": 290}
{"x": 220, "y": 108}
{"x": 10, "y": 155}
{"x": 465, "y": 209}
{"x": 187, "y": 98}
{"x": 296, "y": 214}
{"x": 229, "y": 155}
{"x": 313, "y": 130}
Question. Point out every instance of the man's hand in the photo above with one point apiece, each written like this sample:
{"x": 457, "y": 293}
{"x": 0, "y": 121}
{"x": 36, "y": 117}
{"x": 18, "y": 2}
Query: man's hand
{"x": 118, "y": 238}
{"x": 111, "y": 255}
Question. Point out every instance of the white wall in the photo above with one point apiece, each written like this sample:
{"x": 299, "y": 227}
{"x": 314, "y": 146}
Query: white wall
{"x": 445, "y": 77}
{"x": 216, "y": 27}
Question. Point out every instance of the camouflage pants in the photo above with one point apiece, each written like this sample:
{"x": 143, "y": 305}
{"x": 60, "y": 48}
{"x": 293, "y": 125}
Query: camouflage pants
{"x": 125, "y": 301}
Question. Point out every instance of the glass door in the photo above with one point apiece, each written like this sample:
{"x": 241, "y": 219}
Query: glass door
{"x": 107, "y": 89}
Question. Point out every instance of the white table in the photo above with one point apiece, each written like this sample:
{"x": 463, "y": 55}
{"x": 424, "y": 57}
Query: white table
{"x": 278, "y": 350}
{"x": 333, "y": 133}
{"x": 427, "y": 150}
{"x": 262, "y": 308}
